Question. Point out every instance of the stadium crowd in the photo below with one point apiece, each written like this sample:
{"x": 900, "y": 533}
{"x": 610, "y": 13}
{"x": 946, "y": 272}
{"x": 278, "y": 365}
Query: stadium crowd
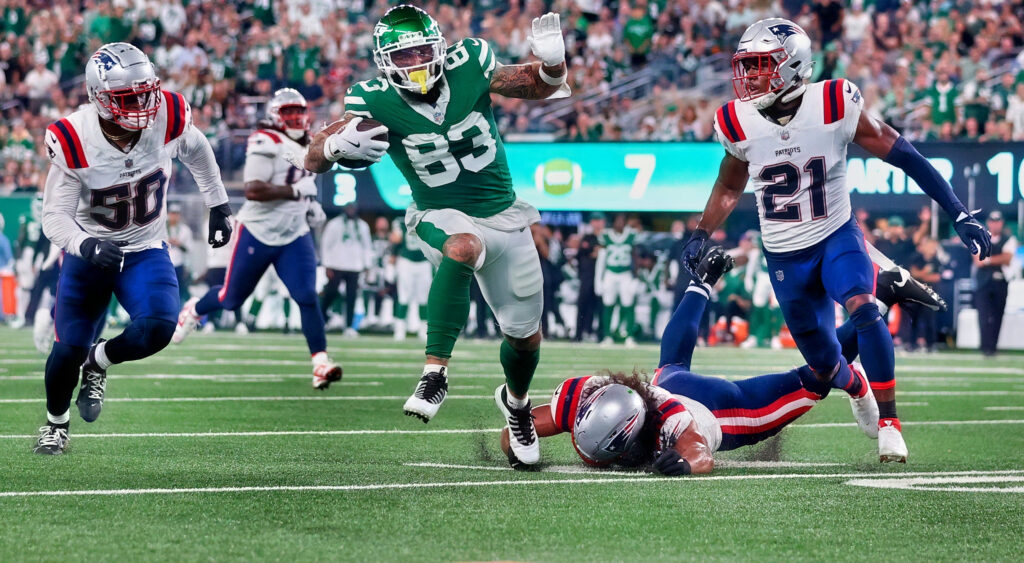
{"x": 935, "y": 70}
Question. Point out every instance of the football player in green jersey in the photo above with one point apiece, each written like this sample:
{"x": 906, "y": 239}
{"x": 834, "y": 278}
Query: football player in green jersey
{"x": 433, "y": 101}
{"x": 617, "y": 284}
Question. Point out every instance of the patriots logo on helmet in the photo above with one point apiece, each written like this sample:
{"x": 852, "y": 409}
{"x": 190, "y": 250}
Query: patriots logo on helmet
{"x": 105, "y": 60}
{"x": 784, "y": 30}
{"x": 618, "y": 442}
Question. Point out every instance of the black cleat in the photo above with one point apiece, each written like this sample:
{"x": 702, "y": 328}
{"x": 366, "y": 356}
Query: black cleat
{"x": 94, "y": 386}
{"x": 897, "y": 286}
{"x": 713, "y": 265}
{"x": 429, "y": 394}
{"x": 53, "y": 439}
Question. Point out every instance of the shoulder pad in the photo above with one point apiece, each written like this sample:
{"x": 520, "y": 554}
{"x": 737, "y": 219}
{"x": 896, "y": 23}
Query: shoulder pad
{"x": 64, "y": 146}
{"x": 835, "y": 94}
{"x": 729, "y": 123}
{"x": 264, "y": 141}
{"x": 358, "y": 98}
{"x": 564, "y": 402}
{"x": 179, "y": 115}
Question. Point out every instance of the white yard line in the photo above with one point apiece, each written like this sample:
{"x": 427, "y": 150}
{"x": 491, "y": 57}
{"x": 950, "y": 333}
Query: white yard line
{"x": 647, "y": 479}
{"x": 262, "y": 433}
{"x": 1010, "y": 408}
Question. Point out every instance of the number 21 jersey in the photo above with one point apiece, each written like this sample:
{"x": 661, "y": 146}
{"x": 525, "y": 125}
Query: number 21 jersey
{"x": 449, "y": 152}
{"x": 798, "y": 170}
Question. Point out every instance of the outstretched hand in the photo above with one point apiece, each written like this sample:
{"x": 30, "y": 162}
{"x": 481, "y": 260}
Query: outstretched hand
{"x": 974, "y": 235}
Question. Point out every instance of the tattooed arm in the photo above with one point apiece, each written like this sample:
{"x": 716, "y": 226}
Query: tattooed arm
{"x": 524, "y": 81}
{"x": 315, "y": 159}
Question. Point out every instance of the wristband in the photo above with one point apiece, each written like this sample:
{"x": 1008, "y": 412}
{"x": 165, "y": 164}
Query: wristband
{"x": 686, "y": 467}
{"x": 328, "y": 153}
{"x": 552, "y": 80}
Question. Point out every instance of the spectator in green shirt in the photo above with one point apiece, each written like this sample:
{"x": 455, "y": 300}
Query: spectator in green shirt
{"x": 300, "y": 57}
{"x": 942, "y": 99}
{"x": 637, "y": 33}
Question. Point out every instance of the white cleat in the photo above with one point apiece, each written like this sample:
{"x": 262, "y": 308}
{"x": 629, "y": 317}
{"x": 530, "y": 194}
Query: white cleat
{"x": 630, "y": 343}
{"x": 325, "y": 371}
{"x": 891, "y": 446}
{"x": 400, "y": 331}
{"x": 188, "y": 320}
{"x": 241, "y": 329}
{"x": 865, "y": 408}
{"x": 429, "y": 395}
{"x": 523, "y": 442}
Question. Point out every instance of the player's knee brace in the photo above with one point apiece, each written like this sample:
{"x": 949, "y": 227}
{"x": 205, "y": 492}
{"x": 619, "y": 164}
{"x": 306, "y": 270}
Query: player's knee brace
{"x": 865, "y": 316}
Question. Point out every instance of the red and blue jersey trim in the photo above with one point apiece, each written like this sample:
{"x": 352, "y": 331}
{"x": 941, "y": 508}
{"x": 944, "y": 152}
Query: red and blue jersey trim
{"x": 668, "y": 409}
{"x": 729, "y": 123}
{"x": 564, "y": 410}
{"x": 176, "y": 115}
{"x": 70, "y": 144}
{"x": 835, "y": 104}
{"x": 273, "y": 136}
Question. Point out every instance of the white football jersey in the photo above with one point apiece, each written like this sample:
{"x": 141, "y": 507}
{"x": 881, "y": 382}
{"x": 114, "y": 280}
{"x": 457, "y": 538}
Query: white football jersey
{"x": 281, "y": 221}
{"x": 798, "y": 170}
{"x": 94, "y": 189}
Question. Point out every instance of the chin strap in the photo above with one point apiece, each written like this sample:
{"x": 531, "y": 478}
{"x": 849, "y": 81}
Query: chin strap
{"x": 794, "y": 93}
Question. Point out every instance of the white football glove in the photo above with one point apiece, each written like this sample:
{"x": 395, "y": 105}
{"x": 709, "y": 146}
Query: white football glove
{"x": 546, "y": 40}
{"x": 351, "y": 143}
{"x": 315, "y": 215}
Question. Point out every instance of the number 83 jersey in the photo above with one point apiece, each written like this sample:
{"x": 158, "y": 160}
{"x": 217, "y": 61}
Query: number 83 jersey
{"x": 798, "y": 170}
{"x": 449, "y": 152}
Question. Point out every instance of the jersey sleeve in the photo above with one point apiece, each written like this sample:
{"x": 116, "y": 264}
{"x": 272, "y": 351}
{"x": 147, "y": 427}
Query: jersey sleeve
{"x": 480, "y": 52}
{"x": 64, "y": 147}
{"x": 566, "y": 400}
{"x": 178, "y": 115}
{"x": 850, "y": 102}
{"x": 359, "y": 96}
{"x": 728, "y": 130}
{"x": 263, "y": 142}
{"x": 672, "y": 416}
{"x": 60, "y": 205}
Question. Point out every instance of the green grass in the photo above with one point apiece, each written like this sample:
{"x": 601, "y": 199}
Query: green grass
{"x": 483, "y": 512}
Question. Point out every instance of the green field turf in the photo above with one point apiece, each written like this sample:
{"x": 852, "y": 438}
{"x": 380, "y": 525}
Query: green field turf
{"x": 220, "y": 450}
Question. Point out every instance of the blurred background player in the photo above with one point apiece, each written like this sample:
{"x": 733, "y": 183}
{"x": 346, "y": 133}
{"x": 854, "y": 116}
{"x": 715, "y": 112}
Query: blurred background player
{"x": 346, "y": 251}
{"x": 378, "y": 286}
{"x": 217, "y": 261}
{"x": 112, "y": 230}
{"x": 274, "y": 229}
{"x": 179, "y": 242}
{"x": 464, "y": 210}
{"x": 813, "y": 247}
{"x": 413, "y": 275}
{"x": 589, "y": 301}
{"x": 993, "y": 276}
{"x": 617, "y": 284}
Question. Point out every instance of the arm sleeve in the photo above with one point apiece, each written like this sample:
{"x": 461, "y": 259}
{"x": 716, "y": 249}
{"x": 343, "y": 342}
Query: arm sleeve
{"x": 258, "y": 167}
{"x": 60, "y": 205}
{"x": 195, "y": 152}
{"x": 903, "y": 155}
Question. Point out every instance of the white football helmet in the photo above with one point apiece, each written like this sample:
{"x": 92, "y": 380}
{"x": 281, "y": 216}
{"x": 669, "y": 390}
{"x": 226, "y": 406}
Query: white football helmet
{"x": 773, "y": 59}
{"x": 122, "y": 84}
{"x": 607, "y": 423}
{"x": 289, "y": 112}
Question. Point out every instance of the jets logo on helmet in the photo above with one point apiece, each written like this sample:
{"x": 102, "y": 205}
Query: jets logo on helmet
{"x": 409, "y": 49}
{"x": 288, "y": 111}
{"x": 773, "y": 59}
{"x": 122, "y": 85}
{"x": 607, "y": 423}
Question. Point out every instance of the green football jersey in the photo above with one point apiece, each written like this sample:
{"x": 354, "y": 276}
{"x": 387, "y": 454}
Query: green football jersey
{"x": 653, "y": 279}
{"x": 450, "y": 152}
{"x": 406, "y": 249}
{"x": 618, "y": 249}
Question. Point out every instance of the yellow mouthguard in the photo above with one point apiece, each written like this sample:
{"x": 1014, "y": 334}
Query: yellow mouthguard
{"x": 419, "y": 77}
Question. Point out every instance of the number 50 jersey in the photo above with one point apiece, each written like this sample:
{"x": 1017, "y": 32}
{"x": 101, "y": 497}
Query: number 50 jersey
{"x": 449, "y": 152}
{"x": 94, "y": 189}
{"x": 798, "y": 170}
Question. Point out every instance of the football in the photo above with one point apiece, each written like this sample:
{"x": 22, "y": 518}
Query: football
{"x": 365, "y": 125}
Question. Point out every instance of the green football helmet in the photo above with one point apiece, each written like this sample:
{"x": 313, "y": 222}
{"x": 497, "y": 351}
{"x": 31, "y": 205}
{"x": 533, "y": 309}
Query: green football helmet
{"x": 409, "y": 49}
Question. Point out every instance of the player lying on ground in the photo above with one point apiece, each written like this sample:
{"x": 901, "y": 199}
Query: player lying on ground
{"x": 274, "y": 228}
{"x": 434, "y": 103}
{"x": 679, "y": 420}
{"x": 789, "y": 137}
{"x": 104, "y": 206}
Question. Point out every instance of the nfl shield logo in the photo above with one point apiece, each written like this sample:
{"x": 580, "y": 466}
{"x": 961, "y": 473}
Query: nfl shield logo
{"x": 128, "y": 163}
{"x": 785, "y": 135}
{"x": 780, "y": 275}
{"x": 438, "y": 117}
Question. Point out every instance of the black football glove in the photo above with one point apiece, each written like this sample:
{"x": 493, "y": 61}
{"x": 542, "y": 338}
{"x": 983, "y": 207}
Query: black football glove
{"x": 690, "y": 257}
{"x": 671, "y": 464}
{"x": 975, "y": 236}
{"x": 102, "y": 253}
{"x": 220, "y": 225}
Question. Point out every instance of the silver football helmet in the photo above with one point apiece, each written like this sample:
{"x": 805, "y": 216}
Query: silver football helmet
{"x": 773, "y": 59}
{"x": 288, "y": 111}
{"x": 607, "y": 423}
{"x": 122, "y": 84}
